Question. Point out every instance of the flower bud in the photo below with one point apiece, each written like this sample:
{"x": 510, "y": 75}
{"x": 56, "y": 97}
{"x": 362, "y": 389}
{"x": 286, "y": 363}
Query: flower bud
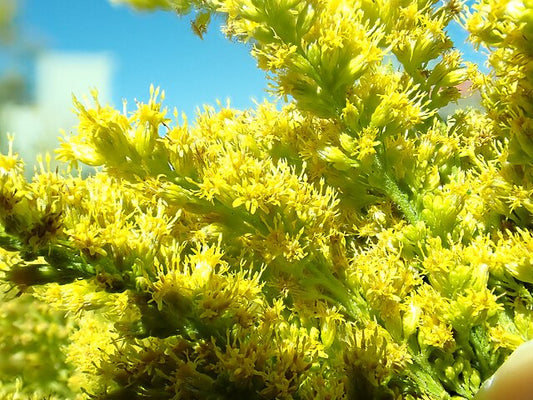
{"x": 336, "y": 156}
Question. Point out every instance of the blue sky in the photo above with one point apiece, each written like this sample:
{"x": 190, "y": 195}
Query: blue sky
{"x": 147, "y": 48}
{"x": 157, "y": 48}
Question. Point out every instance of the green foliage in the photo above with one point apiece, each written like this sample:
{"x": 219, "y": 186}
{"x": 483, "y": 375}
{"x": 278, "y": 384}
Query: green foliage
{"x": 349, "y": 244}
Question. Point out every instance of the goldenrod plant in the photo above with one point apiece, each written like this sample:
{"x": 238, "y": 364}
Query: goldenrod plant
{"x": 347, "y": 242}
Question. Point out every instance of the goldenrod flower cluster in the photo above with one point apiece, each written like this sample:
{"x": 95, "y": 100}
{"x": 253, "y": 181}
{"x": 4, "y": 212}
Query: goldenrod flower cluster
{"x": 348, "y": 243}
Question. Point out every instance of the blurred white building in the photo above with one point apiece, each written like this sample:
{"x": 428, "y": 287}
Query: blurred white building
{"x": 469, "y": 99}
{"x": 58, "y": 76}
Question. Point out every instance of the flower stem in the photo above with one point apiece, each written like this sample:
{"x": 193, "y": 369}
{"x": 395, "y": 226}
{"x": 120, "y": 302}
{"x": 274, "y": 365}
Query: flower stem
{"x": 393, "y": 191}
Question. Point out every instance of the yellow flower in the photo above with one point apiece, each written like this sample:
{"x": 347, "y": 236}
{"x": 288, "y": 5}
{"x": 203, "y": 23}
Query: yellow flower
{"x": 399, "y": 108}
{"x": 367, "y": 143}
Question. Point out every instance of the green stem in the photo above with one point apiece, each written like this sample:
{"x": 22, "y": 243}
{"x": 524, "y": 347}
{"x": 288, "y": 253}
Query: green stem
{"x": 426, "y": 378}
{"x": 393, "y": 191}
{"x": 323, "y": 277}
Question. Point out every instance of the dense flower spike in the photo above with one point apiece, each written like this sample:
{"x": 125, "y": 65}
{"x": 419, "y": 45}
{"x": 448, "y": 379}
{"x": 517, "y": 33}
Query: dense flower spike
{"x": 349, "y": 243}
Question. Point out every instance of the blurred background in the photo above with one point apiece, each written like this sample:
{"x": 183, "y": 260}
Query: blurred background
{"x": 51, "y": 49}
